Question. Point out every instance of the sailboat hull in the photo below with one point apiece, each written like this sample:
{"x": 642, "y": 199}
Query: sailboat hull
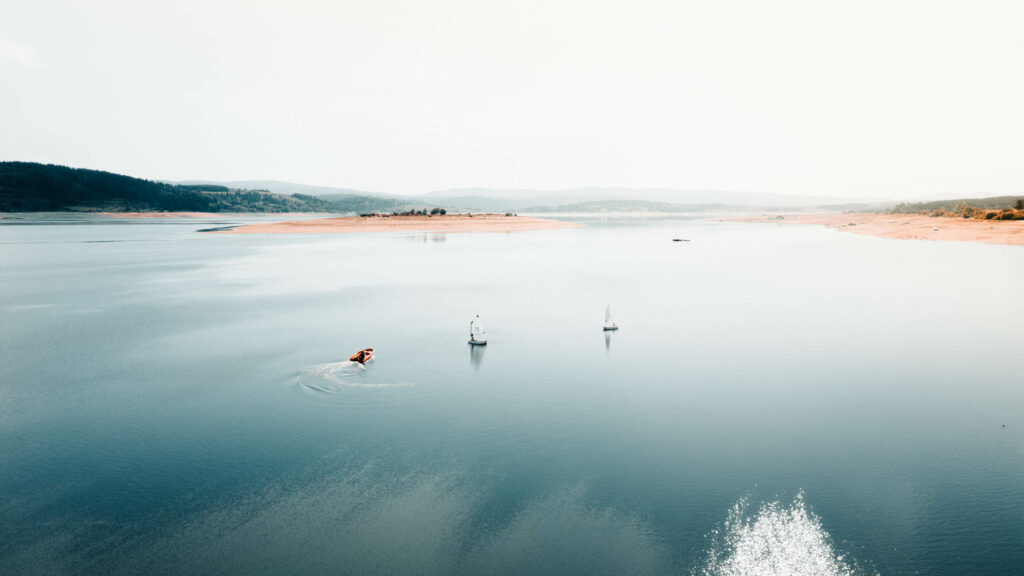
{"x": 478, "y": 342}
{"x": 610, "y": 328}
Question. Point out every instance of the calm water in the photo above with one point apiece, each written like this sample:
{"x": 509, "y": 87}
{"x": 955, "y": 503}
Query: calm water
{"x": 178, "y": 403}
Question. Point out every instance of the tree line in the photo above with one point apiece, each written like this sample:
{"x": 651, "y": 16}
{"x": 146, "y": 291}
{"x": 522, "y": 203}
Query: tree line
{"x": 34, "y": 187}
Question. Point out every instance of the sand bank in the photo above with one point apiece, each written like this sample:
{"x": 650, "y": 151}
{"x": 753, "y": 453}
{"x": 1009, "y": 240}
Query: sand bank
{"x": 913, "y": 226}
{"x": 437, "y": 223}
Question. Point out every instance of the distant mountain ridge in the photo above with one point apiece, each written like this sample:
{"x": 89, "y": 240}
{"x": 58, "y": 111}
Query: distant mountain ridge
{"x": 598, "y": 206}
{"x": 524, "y": 199}
{"x": 27, "y": 186}
{"x": 280, "y": 187}
{"x": 546, "y": 198}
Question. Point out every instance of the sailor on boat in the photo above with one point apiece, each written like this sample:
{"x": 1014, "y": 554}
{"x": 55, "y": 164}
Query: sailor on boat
{"x": 363, "y": 356}
{"x": 477, "y": 336}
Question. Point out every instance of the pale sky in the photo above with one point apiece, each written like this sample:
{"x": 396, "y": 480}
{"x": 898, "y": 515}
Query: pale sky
{"x": 852, "y": 99}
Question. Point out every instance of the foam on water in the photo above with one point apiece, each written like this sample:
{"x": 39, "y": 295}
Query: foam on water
{"x": 776, "y": 540}
{"x": 336, "y": 377}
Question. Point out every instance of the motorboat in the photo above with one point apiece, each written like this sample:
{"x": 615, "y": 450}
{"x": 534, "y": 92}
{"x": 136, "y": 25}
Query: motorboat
{"x": 363, "y": 356}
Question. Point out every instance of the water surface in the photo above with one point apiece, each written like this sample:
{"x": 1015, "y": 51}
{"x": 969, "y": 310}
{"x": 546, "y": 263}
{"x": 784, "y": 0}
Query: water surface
{"x": 176, "y": 402}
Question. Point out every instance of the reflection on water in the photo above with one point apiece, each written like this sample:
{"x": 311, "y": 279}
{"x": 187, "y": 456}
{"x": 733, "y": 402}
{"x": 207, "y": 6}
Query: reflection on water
{"x": 424, "y": 237}
{"x": 428, "y": 524}
{"x": 476, "y": 355}
{"x": 608, "y": 340}
{"x": 372, "y": 523}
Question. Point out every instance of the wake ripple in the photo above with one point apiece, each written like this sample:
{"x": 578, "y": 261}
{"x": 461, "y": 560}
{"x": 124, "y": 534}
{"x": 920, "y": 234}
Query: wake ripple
{"x": 777, "y": 540}
{"x": 339, "y": 377}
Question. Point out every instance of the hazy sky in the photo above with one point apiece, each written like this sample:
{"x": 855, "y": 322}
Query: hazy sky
{"x": 858, "y": 98}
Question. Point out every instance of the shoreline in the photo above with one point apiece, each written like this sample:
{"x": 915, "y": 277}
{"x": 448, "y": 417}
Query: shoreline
{"x": 909, "y": 226}
{"x": 454, "y": 223}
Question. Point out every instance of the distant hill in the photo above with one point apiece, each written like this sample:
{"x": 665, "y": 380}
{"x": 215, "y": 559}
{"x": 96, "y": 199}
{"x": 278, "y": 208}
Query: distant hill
{"x": 628, "y": 206}
{"x": 33, "y": 187}
{"x": 468, "y": 203}
{"x": 26, "y": 186}
{"x": 361, "y": 204}
{"x": 522, "y": 199}
{"x": 990, "y": 203}
{"x": 339, "y": 199}
{"x": 280, "y": 187}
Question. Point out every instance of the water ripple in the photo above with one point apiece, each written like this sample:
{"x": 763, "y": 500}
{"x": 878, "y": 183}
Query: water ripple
{"x": 339, "y": 377}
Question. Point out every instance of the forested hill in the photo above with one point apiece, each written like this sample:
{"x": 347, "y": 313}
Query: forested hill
{"x": 32, "y": 187}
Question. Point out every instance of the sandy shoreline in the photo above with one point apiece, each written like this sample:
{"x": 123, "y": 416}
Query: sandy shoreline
{"x": 446, "y": 223}
{"x": 911, "y": 226}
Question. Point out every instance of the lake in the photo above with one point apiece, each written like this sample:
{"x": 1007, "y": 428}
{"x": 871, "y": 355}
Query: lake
{"x": 181, "y": 403}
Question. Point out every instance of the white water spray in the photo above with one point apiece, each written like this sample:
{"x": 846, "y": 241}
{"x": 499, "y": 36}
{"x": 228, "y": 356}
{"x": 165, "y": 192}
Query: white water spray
{"x": 777, "y": 540}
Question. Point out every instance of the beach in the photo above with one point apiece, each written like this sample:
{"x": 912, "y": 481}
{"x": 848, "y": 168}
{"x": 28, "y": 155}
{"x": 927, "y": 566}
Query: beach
{"x": 420, "y": 223}
{"x": 911, "y": 226}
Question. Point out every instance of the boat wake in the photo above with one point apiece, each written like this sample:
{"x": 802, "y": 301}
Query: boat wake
{"x": 776, "y": 540}
{"x": 338, "y": 377}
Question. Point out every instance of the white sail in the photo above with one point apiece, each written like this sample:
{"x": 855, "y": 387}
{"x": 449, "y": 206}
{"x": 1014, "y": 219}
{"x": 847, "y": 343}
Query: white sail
{"x": 476, "y": 330}
{"x": 608, "y": 323}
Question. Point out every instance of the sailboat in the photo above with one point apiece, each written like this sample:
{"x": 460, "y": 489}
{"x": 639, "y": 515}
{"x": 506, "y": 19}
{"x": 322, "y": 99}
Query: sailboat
{"x": 477, "y": 335}
{"x": 608, "y": 324}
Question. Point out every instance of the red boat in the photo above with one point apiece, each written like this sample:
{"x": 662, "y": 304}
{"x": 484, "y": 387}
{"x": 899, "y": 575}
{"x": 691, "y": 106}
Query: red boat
{"x": 362, "y": 356}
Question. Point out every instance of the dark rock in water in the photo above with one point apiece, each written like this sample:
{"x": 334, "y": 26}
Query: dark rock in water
{"x": 780, "y": 217}
{"x": 680, "y": 239}
{"x": 219, "y": 229}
